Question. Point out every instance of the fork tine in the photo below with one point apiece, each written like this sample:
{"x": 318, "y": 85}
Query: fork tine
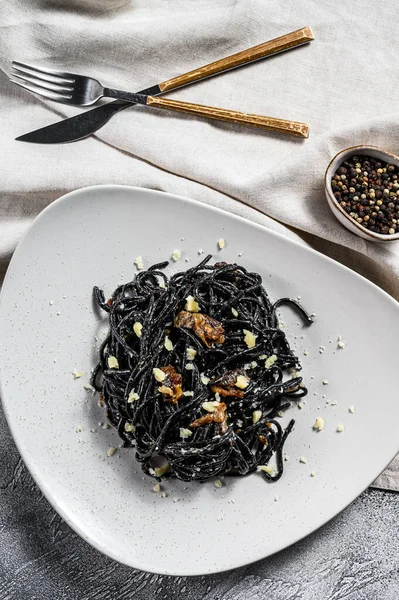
{"x": 47, "y": 85}
{"x": 46, "y": 74}
{"x": 41, "y": 91}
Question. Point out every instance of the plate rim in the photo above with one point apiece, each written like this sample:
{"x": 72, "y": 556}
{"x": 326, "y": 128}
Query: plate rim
{"x": 31, "y": 464}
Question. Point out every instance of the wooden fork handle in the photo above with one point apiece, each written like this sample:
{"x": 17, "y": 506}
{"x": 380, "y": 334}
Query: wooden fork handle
{"x": 285, "y": 42}
{"x": 280, "y": 125}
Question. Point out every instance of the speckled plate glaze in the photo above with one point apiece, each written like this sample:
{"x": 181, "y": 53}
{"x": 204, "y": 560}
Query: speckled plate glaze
{"x": 49, "y": 328}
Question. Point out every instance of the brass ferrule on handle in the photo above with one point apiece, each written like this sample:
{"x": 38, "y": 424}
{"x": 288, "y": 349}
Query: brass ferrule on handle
{"x": 278, "y": 125}
{"x": 280, "y": 44}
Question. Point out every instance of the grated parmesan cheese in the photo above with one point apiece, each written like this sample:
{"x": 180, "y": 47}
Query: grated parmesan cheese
{"x": 191, "y": 353}
{"x": 168, "y": 344}
{"x": 256, "y": 416}
{"x": 211, "y": 406}
{"x": 139, "y": 263}
{"x": 113, "y": 362}
{"x": 265, "y": 469}
{"x": 133, "y": 396}
{"x": 249, "y": 338}
{"x": 269, "y": 362}
{"x": 318, "y": 425}
{"x": 191, "y": 304}
{"x": 176, "y": 255}
{"x": 158, "y": 374}
{"x": 137, "y": 328}
{"x": 242, "y": 382}
{"x": 185, "y": 433}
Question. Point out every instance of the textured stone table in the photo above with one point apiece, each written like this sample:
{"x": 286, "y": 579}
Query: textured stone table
{"x": 354, "y": 557}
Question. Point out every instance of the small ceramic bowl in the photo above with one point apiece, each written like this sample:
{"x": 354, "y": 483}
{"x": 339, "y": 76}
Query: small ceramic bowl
{"x": 338, "y": 211}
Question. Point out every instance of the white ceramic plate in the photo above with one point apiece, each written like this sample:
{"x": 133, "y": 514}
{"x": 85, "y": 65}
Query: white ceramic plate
{"x": 91, "y": 237}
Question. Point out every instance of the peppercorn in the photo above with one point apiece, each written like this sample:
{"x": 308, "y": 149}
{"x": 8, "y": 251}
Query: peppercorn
{"x": 368, "y": 191}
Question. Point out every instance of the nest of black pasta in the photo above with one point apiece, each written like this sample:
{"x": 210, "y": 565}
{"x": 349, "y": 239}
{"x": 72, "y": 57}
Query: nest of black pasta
{"x": 195, "y": 371}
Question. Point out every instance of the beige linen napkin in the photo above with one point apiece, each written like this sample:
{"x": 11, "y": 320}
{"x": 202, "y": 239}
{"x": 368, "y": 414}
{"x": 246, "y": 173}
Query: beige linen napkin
{"x": 343, "y": 84}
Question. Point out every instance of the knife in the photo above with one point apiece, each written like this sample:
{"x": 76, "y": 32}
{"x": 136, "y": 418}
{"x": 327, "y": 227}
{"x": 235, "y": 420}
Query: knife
{"x": 86, "y": 123}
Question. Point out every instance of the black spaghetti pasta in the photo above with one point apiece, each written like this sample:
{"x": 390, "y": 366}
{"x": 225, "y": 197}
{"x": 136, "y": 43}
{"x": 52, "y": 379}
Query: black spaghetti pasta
{"x": 192, "y": 371}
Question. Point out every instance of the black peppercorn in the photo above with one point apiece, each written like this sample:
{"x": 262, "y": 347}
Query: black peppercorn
{"x": 368, "y": 191}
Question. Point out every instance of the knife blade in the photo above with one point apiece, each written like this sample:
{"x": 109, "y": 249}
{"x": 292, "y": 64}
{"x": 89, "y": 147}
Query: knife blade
{"x": 84, "y": 124}
{"x": 80, "y": 126}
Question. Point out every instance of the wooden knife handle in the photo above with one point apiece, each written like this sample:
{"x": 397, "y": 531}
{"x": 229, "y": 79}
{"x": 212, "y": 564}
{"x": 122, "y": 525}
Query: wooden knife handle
{"x": 285, "y": 42}
{"x": 221, "y": 114}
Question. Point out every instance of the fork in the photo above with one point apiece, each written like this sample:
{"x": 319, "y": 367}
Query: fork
{"x": 79, "y": 90}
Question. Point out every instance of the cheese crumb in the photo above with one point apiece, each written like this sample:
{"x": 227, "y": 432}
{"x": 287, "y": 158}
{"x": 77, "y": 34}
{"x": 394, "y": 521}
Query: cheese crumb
{"x": 333, "y": 403}
{"x": 189, "y": 367}
{"x": 77, "y": 374}
{"x": 163, "y": 495}
{"x": 162, "y": 284}
{"x": 168, "y": 344}
{"x": 341, "y": 345}
{"x": 340, "y": 428}
{"x": 159, "y": 471}
{"x": 156, "y": 488}
{"x": 234, "y": 311}
{"x": 269, "y": 362}
{"x": 210, "y": 406}
{"x": 276, "y": 497}
{"x": 325, "y": 382}
{"x": 137, "y": 328}
{"x": 254, "y": 364}
{"x": 300, "y": 405}
{"x": 242, "y": 382}
{"x": 191, "y": 304}
{"x": 176, "y": 255}
{"x": 217, "y": 483}
{"x": 133, "y": 396}
{"x": 158, "y": 374}
{"x": 318, "y": 425}
{"x": 188, "y": 394}
{"x": 303, "y": 460}
{"x": 265, "y": 469}
{"x": 129, "y": 427}
{"x": 313, "y": 474}
{"x": 249, "y": 338}
{"x": 305, "y": 353}
{"x": 256, "y": 416}
{"x": 78, "y": 429}
{"x": 191, "y": 353}
{"x": 111, "y": 451}
{"x": 113, "y": 362}
{"x": 51, "y": 302}
{"x": 262, "y": 357}
{"x": 221, "y": 243}
{"x": 105, "y": 426}
{"x": 185, "y": 433}
{"x": 286, "y": 457}
{"x": 205, "y": 380}
{"x": 139, "y": 263}
{"x": 352, "y": 410}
